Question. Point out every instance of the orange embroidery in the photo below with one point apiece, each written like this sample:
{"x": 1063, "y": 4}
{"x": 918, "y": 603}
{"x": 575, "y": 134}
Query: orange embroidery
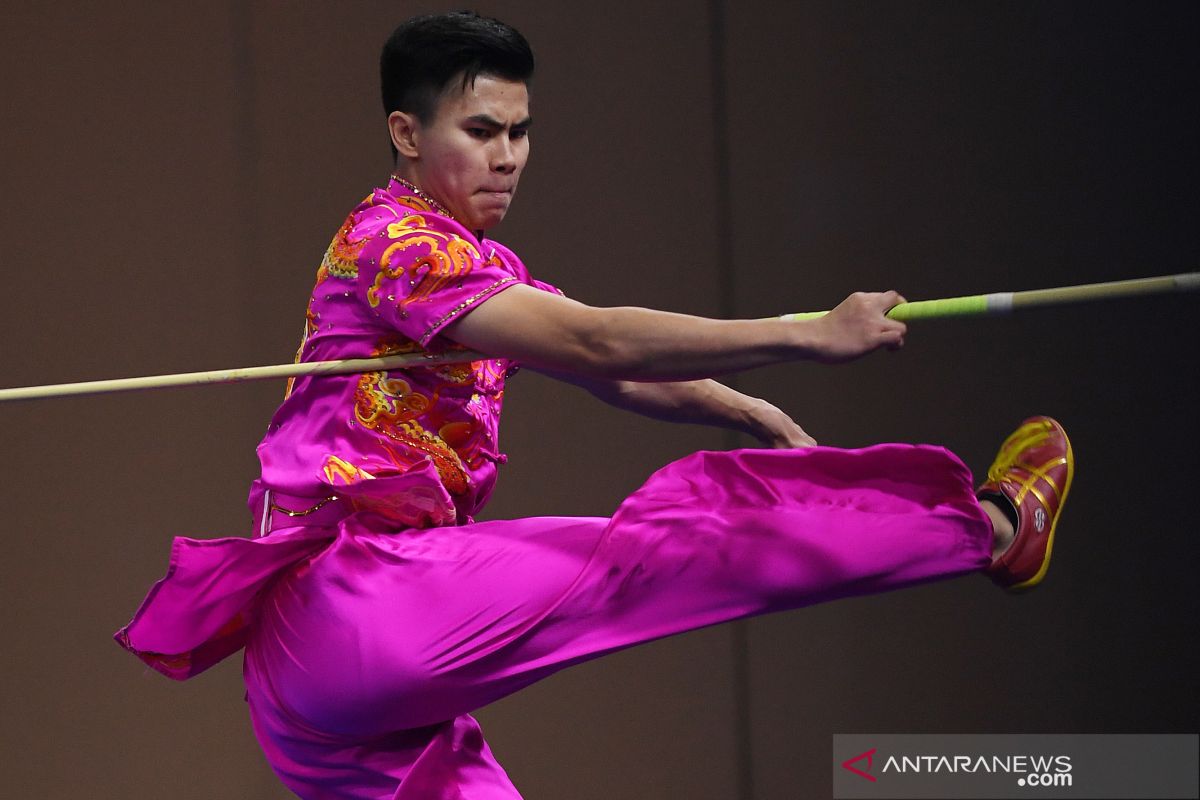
{"x": 447, "y": 258}
{"x": 341, "y": 257}
{"x": 389, "y": 404}
{"x": 415, "y": 203}
{"x": 339, "y": 472}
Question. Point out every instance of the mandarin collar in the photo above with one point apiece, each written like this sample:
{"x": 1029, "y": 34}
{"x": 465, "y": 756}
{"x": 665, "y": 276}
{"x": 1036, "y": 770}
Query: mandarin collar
{"x": 398, "y": 187}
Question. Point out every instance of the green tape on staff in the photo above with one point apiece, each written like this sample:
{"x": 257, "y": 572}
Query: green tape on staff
{"x": 947, "y": 307}
{"x": 921, "y": 309}
{"x": 1004, "y": 302}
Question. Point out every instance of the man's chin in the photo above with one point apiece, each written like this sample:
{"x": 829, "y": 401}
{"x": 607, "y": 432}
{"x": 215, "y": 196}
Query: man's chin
{"x": 488, "y": 220}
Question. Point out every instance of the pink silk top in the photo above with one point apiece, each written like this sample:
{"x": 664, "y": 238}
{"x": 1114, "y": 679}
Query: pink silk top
{"x": 418, "y": 445}
{"x": 415, "y": 448}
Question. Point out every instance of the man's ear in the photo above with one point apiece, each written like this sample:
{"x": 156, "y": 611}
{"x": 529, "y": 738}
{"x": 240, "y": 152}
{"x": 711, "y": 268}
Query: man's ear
{"x": 404, "y": 130}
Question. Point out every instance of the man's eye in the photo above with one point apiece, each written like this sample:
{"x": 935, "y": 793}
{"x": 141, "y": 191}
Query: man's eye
{"x": 520, "y": 133}
{"x": 479, "y": 133}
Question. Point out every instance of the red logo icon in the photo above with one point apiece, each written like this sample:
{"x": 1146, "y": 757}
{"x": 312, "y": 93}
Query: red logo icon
{"x": 869, "y": 756}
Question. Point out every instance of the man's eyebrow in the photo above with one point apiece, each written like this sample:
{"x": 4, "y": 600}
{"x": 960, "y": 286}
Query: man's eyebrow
{"x": 484, "y": 119}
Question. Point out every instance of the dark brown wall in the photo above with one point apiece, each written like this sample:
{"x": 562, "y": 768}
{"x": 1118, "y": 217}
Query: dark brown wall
{"x": 172, "y": 173}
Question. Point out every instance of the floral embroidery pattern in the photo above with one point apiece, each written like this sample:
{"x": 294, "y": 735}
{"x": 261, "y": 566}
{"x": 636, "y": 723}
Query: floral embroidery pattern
{"x": 405, "y": 426}
{"x": 391, "y": 405}
{"x": 341, "y": 258}
{"x": 447, "y": 258}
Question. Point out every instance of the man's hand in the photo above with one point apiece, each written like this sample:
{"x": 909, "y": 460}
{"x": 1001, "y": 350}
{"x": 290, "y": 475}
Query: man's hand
{"x": 776, "y": 429}
{"x": 858, "y": 326}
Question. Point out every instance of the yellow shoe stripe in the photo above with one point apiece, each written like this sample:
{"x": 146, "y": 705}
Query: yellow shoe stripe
{"x": 1028, "y": 435}
{"x": 1041, "y": 573}
{"x": 1042, "y": 473}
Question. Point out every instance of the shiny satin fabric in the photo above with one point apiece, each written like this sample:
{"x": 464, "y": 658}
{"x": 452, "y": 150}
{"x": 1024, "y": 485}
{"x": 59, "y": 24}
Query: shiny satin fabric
{"x": 375, "y": 614}
{"x": 398, "y": 271}
{"x": 367, "y": 645}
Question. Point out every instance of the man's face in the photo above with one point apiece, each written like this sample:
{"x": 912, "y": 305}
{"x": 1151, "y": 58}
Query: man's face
{"x": 470, "y": 157}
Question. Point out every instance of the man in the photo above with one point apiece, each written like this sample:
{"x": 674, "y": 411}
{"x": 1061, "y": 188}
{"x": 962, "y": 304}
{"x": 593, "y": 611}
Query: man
{"x": 376, "y": 615}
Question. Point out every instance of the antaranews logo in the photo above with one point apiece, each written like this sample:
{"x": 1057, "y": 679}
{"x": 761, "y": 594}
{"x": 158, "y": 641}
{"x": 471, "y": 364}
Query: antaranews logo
{"x": 970, "y": 765}
{"x": 1032, "y": 770}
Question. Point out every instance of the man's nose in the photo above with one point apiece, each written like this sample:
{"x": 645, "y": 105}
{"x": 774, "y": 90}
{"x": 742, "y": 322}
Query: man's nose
{"x": 504, "y": 158}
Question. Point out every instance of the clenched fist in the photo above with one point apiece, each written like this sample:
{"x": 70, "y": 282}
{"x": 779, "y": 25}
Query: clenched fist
{"x": 858, "y": 326}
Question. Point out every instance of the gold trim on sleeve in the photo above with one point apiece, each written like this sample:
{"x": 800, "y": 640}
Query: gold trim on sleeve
{"x": 458, "y": 309}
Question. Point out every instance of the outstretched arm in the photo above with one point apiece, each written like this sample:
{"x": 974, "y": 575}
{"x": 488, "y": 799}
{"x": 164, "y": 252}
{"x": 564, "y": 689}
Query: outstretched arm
{"x": 554, "y": 334}
{"x": 703, "y": 402}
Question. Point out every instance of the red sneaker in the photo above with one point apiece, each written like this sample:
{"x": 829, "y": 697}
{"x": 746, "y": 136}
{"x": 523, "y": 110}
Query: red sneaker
{"x": 1033, "y": 470}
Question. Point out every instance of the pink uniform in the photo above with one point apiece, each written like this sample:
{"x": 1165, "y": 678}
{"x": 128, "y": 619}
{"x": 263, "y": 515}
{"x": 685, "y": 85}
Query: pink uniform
{"x": 375, "y": 614}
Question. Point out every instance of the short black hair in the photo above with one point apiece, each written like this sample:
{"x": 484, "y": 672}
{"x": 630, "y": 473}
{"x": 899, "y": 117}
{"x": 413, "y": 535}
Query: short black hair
{"x": 425, "y": 54}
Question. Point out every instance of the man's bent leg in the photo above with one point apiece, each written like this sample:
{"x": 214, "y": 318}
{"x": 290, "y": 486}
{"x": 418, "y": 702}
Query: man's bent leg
{"x": 385, "y": 631}
{"x": 391, "y": 631}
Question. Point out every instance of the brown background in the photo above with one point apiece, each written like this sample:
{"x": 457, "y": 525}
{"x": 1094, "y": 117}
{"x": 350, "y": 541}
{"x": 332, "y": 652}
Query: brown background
{"x": 173, "y": 171}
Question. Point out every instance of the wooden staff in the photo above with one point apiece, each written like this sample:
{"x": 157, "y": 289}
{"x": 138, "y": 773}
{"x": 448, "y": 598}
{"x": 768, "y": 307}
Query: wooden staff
{"x": 996, "y": 303}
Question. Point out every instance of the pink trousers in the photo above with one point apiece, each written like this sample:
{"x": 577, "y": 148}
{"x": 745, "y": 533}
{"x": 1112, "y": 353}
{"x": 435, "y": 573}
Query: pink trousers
{"x": 365, "y": 659}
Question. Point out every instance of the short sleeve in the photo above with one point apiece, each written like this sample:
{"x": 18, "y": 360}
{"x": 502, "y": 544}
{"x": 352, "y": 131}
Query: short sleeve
{"x": 546, "y": 287}
{"x": 418, "y": 272}
{"x": 517, "y": 267}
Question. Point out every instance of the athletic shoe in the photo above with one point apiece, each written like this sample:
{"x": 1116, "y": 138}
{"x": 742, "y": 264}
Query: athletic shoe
{"x": 1033, "y": 472}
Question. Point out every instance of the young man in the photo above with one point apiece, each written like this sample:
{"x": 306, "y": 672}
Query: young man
{"x": 376, "y": 615}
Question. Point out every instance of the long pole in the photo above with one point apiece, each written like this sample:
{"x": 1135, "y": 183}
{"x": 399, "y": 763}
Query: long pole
{"x": 996, "y": 303}
{"x": 1004, "y": 302}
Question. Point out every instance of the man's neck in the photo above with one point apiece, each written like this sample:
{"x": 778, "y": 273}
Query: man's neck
{"x": 437, "y": 206}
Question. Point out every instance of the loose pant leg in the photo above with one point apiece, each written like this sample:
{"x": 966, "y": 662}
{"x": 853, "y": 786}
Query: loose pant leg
{"x": 395, "y": 631}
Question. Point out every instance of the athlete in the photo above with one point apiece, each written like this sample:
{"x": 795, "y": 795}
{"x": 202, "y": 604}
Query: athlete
{"x": 376, "y": 614}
